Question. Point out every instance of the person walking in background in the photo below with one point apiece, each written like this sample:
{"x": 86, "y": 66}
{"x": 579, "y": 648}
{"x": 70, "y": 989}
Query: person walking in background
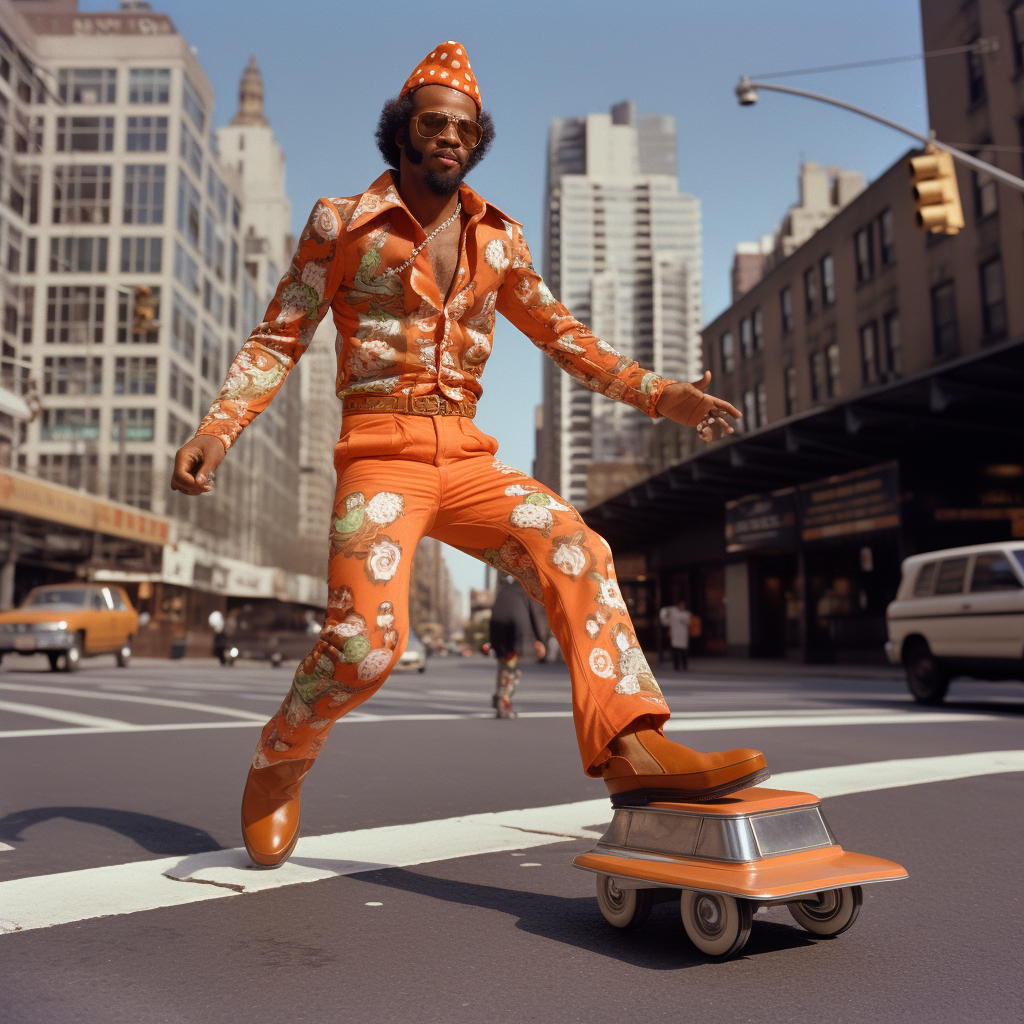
{"x": 677, "y": 619}
{"x": 513, "y": 616}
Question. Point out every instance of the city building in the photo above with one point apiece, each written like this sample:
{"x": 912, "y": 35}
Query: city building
{"x": 136, "y": 261}
{"x": 435, "y": 606}
{"x": 823, "y": 193}
{"x": 879, "y": 370}
{"x": 622, "y": 249}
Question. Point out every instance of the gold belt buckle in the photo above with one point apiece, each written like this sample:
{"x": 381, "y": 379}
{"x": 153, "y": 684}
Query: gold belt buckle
{"x": 426, "y": 405}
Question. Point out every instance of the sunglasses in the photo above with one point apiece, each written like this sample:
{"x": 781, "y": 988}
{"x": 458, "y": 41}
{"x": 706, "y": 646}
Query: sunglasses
{"x": 432, "y": 123}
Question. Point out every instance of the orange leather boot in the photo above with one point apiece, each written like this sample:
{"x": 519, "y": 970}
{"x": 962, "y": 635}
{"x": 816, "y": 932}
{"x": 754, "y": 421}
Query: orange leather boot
{"x": 270, "y": 811}
{"x": 646, "y": 766}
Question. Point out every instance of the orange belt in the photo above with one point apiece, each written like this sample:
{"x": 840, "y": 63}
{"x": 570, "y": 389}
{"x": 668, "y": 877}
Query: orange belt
{"x": 412, "y": 405}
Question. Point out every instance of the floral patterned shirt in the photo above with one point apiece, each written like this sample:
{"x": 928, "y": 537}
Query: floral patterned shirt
{"x": 396, "y": 333}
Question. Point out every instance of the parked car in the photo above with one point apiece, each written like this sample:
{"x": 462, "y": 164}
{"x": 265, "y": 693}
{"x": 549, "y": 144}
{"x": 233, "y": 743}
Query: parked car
{"x": 414, "y": 656}
{"x": 958, "y": 612}
{"x": 67, "y": 621}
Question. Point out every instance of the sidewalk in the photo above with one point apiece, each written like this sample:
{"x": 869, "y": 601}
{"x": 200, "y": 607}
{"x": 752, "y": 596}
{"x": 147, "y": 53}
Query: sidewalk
{"x": 773, "y": 668}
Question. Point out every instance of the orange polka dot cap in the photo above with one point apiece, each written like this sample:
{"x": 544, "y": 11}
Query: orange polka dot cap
{"x": 447, "y": 64}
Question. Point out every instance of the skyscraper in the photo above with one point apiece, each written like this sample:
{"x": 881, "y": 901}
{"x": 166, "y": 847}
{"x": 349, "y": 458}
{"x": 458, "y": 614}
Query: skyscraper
{"x": 622, "y": 249}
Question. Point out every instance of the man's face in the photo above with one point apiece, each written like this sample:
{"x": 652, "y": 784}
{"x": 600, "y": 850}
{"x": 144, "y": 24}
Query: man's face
{"x": 440, "y": 162}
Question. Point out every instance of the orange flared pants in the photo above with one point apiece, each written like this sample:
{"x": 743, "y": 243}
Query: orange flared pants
{"x": 404, "y": 477}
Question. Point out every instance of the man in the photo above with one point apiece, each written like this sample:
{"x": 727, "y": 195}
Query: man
{"x": 677, "y": 619}
{"x": 413, "y": 270}
{"x": 512, "y": 616}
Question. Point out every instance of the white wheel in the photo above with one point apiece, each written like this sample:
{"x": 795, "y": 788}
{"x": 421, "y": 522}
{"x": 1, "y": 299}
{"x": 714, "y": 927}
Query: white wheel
{"x": 831, "y": 913}
{"x": 718, "y": 925}
{"x": 623, "y": 908}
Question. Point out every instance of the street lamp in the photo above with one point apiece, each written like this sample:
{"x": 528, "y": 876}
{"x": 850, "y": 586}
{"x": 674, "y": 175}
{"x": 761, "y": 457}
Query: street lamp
{"x": 746, "y": 93}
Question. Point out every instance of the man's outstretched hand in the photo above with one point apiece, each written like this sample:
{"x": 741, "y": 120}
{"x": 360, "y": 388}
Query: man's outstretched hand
{"x": 691, "y": 405}
{"x": 195, "y": 462}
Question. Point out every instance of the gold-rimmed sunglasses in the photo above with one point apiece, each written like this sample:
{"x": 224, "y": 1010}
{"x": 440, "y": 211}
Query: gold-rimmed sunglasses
{"x": 432, "y": 123}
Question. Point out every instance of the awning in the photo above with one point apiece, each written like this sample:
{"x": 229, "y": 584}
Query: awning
{"x": 965, "y": 411}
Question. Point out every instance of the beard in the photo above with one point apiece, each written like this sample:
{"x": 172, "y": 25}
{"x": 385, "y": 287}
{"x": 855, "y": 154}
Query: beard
{"x": 439, "y": 183}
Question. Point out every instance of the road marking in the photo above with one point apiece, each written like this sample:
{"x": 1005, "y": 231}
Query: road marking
{"x": 4, "y": 847}
{"x": 63, "y": 691}
{"x": 686, "y": 724}
{"x": 72, "y": 717}
{"x": 48, "y": 900}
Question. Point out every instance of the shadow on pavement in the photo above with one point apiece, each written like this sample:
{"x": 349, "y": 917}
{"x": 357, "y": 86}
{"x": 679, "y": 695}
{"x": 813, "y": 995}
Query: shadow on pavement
{"x": 154, "y": 835}
{"x": 659, "y": 944}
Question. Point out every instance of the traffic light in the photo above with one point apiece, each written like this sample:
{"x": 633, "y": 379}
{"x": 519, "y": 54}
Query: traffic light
{"x": 935, "y": 193}
{"x": 145, "y": 309}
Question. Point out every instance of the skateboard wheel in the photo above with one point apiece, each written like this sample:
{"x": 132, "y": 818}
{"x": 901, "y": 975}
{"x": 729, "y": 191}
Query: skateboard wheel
{"x": 717, "y": 924}
{"x": 831, "y": 913}
{"x": 623, "y": 908}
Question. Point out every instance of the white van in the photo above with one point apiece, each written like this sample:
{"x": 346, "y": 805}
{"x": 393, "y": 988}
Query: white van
{"x": 959, "y": 612}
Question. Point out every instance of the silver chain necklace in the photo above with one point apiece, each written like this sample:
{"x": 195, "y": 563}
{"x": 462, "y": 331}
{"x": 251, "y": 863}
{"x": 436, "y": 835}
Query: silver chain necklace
{"x": 391, "y": 271}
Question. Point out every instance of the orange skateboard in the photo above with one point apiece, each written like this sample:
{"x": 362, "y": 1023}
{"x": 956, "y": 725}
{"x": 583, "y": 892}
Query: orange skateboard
{"x": 727, "y": 858}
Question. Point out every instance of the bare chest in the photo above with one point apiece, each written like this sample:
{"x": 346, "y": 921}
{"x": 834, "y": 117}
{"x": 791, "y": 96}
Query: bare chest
{"x": 444, "y": 258}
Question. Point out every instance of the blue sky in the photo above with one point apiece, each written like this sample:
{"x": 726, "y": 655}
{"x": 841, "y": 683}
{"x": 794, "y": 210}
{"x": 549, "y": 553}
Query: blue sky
{"x": 329, "y": 66}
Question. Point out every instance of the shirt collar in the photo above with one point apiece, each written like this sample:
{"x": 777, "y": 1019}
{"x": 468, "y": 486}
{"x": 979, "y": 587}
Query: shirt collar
{"x": 383, "y": 195}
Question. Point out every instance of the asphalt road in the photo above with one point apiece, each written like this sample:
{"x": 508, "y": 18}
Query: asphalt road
{"x": 123, "y": 897}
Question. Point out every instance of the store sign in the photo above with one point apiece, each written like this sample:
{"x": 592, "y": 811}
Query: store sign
{"x": 767, "y": 521}
{"x": 53, "y": 503}
{"x": 115, "y": 24}
{"x": 860, "y": 502}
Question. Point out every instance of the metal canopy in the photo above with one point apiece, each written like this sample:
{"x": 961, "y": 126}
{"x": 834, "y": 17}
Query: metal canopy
{"x": 966, "y": 412}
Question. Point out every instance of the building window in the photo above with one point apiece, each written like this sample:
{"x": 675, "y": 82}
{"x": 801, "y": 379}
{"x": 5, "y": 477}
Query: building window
{"x": 749, "y": 410}
{"x": 1017, "y": 21}
{"x": 125, "y": 319}
{"x": 945, "y": 334}
{"x": 147, "y": 135}
{"x": 893, "y": 344}
{"x": 135, "y": 375}
{"x": 178, "y": 431}
{"x": 144, "y": 194}
{"x": 234, "y": 261}
{"x": 786, "y": 306}
{"x": 993, "y": 299}
{"x": 28, "y": 133}
{"x": 138, "y": 424}
{"x": 81, "y": 194}
{"x": 74, "y": 315}
{"x": 70, "y": 470}
{"x": 762, "y": 405}
{"x": 790, "y": 386}
{"x": 975, "y": 76}
{"x": 72, "y": 375}
{"x": 87, "y": 85}
{"x": 192, "y": 105}
{"x": 986, "y": 190}
{"x": 67, "y": 424}
{"x": 85, "y": 134}
{"x": 213, "y": 301}
{"x": 191, "y": 152}
{"x": 142, "y": 255}
{"x": 757, "y": 323}
{"x": 24, "y": 186}
{"x": 236, "y": 214}
{"x": 14, "y": 241}
{"x": 78, "y": 255}
{"x": 886, "y": 251}
{"x": 819, "y": 387}
{"x": 828, "y": 281}
{"x": 232, "y": 312}
{"x": 181, "y": 386}
{"x": 149, "y": 85}
{"x": 727, "y": 352}
{"x": 810, "y": 291}
{"x": 209, "y": 361}
{"x": 746, "y": 338}
{"x": 135, "y": 485}
{"x": 869, "y": 369}
{"x": 188, "y": 211}
{"x": 186, "y": 270}
{"x": 832, "y": 365}
{"x": 183, "y": 329}
{"x": 862, "y": 253}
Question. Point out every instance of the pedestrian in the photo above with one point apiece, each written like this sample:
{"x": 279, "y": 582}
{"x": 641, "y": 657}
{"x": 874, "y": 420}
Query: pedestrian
{"x": 512, "y": 617}
{"x": 678, "y": 619}
{"x": 413, "y": 270}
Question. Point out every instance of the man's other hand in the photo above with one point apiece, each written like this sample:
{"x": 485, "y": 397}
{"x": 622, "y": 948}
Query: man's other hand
{"x": 689, "y": 404}
{"x": 540, "y": 649}
{"x": 195, "y": 462}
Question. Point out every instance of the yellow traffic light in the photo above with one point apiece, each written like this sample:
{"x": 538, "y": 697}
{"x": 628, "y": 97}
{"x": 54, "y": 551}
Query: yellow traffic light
{"x": 935, "y": 192}
{"x": 145, "y": 309}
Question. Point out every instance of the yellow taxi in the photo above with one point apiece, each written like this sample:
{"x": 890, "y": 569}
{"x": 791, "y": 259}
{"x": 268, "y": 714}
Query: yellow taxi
{"x": 66, "y": 621}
